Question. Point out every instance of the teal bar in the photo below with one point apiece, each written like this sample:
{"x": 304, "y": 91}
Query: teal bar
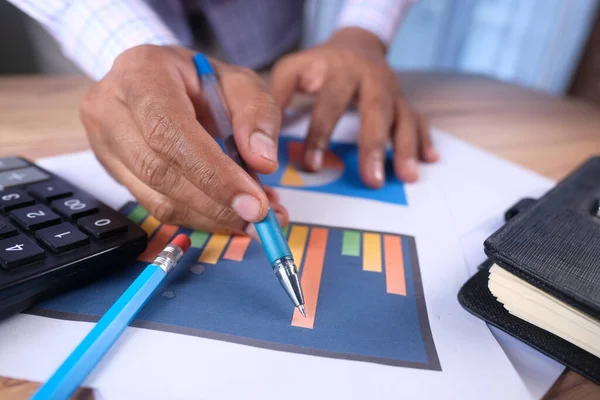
{"x": 286, "y": 230}
{"x": 351, "y": 243}
{"x": 138, "y": 214}
{"x": 198, "y": 239}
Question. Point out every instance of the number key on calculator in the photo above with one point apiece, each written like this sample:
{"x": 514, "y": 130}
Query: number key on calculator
{"x": 54, "y": 235}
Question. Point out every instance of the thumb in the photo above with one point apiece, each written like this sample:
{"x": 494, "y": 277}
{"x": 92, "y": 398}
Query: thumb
{"x": 255, "y": 117}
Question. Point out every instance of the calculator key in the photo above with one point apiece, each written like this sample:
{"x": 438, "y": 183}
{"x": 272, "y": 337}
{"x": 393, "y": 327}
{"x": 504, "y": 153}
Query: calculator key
{"x": 14, "y": 198}
{"x": 75, "y": 207}
{"x": 35, "y": 217}
{"x": 7, "y": 163}
{"x": 103, "y": 225}
{"x": 21, "y": 176}
{"x": 6, "y": 228}
{"x": 19, "y": 250}
{"x": 50, "y": 190}
{"x": 62, "y": 237}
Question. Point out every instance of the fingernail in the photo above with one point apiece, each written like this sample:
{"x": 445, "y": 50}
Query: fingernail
{"x": 262, "y": 145}
{"x": 246, "y": 206}
{"x": 314, "y": 158}
{"x": 377, "y": 166}
{"x": 411, "y": 169}
{"x": 251, "y": 231}
{"x": 431, "y": 154}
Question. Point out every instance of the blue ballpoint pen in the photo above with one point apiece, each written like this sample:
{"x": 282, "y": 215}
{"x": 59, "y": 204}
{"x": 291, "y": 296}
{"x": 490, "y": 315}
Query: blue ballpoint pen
{"x": 269, "y": 231}
{"x": 103, "y": 335}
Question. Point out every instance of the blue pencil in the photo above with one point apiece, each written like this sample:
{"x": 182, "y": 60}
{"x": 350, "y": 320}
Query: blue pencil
{"x": 96, "y": 344}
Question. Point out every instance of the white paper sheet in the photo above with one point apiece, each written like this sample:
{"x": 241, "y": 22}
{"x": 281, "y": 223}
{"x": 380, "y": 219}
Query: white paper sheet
{"x": 153, "y": 364}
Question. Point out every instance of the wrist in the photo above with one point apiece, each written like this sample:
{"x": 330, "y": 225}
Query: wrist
{"x": 354, "y": 37}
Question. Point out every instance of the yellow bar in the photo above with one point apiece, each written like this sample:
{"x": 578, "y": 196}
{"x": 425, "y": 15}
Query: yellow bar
{"x": 371, "y": 252}
{"x": 297, "y": 242}
{"x": 150, "y": 225}
{"x": 213, "y": 249}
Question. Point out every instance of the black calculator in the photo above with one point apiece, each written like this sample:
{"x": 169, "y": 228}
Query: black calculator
{"x": 54, "y": 236}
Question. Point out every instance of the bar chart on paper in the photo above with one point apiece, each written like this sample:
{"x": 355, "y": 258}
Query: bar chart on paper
{"x": 363, "y": 293}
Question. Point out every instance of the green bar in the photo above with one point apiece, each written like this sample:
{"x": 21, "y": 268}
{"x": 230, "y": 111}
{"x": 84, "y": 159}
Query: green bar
{"x": 351, "y": 243}
{"x": 198, "y": 239}
{"x": 138, "y": 214}
{"x": 286, "y": 230}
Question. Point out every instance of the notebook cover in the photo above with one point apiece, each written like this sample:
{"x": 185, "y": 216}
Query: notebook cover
{"x": 476, "y": 298}
{"x": 555, "y": 244}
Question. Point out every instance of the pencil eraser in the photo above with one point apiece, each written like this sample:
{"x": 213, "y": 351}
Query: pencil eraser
{"x": 182, "y": 241}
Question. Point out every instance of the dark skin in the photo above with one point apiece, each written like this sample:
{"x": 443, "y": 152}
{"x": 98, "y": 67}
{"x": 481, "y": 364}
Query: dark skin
{"x": 149, "y": 126}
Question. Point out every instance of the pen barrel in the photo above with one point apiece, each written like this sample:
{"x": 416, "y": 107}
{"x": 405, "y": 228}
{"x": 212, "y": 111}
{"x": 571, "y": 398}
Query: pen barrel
{"x": 272, "y": 238}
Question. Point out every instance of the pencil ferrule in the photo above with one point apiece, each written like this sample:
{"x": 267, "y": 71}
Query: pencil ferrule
{"x": 167, "y": 258}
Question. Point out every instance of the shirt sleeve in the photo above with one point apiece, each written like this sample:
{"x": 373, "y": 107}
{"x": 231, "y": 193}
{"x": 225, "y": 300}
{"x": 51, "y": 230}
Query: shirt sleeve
{"x": 381, "y": 17}
{"x": 93, "y": 33}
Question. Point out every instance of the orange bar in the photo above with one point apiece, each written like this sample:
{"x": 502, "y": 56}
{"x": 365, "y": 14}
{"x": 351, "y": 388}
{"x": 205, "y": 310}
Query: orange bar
{"x": 158, "y": 242}
{"x": 237, "y": 248}
{"x": 213, "y": 249}
{"x": 395, "y": 281}
{"x": 371, "y": 252}
{"x": 150, "y": 225}
{"x": 311, "y": 277}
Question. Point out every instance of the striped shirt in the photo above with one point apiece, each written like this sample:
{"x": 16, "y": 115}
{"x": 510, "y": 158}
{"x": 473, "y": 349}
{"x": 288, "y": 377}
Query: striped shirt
{"x": 253, "y": 33}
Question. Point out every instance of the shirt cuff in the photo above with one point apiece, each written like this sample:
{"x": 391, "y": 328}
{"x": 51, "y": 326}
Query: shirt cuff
{"x": 380, "y": 17}
{"x": 94, "y": 33}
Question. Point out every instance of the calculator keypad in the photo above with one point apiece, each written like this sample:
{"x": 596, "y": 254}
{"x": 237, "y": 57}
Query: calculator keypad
{"x": 102, "y": 225}
{"x": 75, "y": 207}
{"x": 35, "y": 217}
{"x": 62, "y": 237}
{"x": 44, "y": 219}
{"x": 19, "y": 250}
{"x": 22, "y": 176}
{"x": 6, "y": 228}
{"x": 52, "y": 190}
{"x": 7, "y": 163}
{"x": 14, "y": 198}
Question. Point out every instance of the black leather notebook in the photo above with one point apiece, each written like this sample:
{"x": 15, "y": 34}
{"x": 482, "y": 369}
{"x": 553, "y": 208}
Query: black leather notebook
{"x": 552, "y": 244}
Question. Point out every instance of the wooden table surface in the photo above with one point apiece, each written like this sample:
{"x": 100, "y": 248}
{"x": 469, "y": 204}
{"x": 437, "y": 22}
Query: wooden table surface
{"x": 550, "y": 135}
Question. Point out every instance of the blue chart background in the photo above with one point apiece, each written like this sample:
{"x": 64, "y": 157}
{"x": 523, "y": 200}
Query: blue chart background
{"x": 349, "y": 184}
{"x": 242, "y": 302}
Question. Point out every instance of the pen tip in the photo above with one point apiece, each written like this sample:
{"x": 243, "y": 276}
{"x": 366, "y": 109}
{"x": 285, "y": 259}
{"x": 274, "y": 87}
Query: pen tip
{"x": 302, "y": 310}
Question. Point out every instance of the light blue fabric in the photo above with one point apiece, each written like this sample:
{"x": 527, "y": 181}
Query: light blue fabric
{"x": 535, "y": 43}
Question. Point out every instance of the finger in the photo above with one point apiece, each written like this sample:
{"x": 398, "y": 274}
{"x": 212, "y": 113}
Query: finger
{"x": 163, "y": 208}
{"x": 427, "y": 152}
{"x": 165, "y": 116}
{"x": 145, "y": 164}
{"x": 330, "y": 104}
{"x": 405, "y": 143}
{"x": 282, "y": 218}
{"x": 376, "y": 107}
{"x": 271, "y": 194}
{"x": 285, "y": 78}
{"x": 255, "y": 117}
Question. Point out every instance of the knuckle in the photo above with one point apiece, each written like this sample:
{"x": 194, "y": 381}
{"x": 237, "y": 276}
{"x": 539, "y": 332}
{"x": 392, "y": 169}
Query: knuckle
{"x": 206, "y": 176}
{"x": 154, "y": 172}
{"x": 227, "y": 217}
{"x": 165, "y": 211}
{"x": 163, "y": 131}
{"x": 264, "y": 106}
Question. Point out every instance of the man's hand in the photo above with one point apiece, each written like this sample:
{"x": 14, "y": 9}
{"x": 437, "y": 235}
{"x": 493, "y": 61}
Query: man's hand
{"x": 352, "y": 66}
{"x": 149, "y": 127}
